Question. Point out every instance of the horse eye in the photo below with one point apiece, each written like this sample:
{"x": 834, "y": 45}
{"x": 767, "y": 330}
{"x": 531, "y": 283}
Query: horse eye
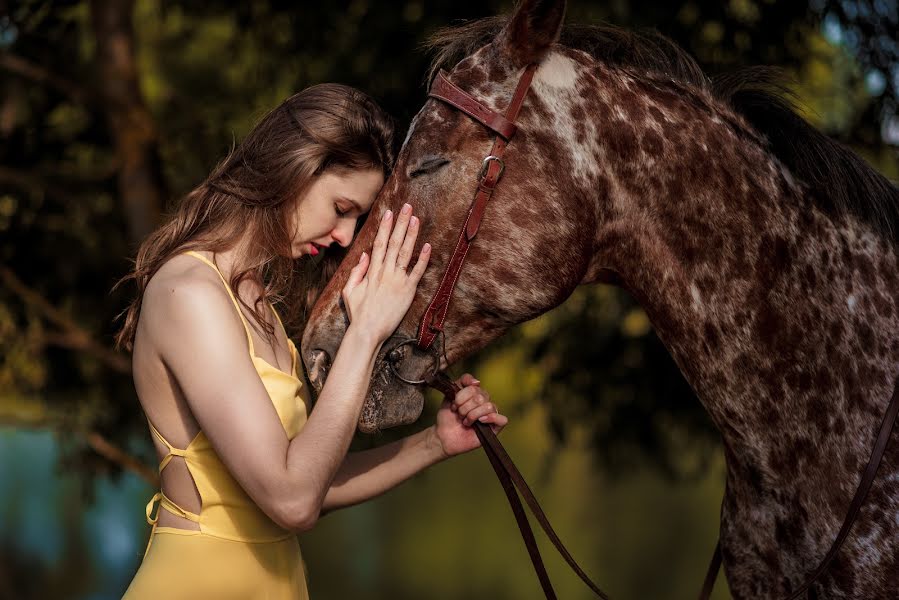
{"x": 428, "y": 165}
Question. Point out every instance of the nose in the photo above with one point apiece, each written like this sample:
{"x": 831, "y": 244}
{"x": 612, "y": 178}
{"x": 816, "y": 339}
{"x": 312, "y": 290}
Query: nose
{"x": 343, "y": 233}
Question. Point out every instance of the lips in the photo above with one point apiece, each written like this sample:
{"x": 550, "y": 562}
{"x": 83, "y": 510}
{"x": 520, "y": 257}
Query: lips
{"x": 315, "y": 248}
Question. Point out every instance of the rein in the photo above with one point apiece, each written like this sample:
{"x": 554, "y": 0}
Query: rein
{"x": 492, "y": 168}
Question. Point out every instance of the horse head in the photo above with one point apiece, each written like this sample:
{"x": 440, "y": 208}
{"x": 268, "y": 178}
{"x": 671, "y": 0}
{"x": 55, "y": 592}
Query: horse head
{"x": 534, "y": 244}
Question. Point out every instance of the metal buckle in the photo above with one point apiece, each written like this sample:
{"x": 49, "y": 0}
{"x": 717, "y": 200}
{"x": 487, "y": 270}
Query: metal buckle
{"x": 486, "y": 165}
{"x": 393, "y": 358}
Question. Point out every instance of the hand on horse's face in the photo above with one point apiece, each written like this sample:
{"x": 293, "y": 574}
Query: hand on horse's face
{"x": 455, "y": 418}
{"x": 379, "y": 290}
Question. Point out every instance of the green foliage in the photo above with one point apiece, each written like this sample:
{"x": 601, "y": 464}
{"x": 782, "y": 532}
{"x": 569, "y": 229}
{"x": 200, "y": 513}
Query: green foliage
{"x": 590, "y": 375}
{"x": 208, "y": 71}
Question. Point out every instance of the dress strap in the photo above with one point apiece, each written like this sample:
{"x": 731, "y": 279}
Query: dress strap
{"x": 243, "y": 319}
{"x": 172, "y": 450}
{"x": 166, "y": 503}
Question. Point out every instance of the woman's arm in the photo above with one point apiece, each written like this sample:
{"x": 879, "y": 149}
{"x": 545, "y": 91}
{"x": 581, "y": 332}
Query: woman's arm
{"x": 200, "y": 339}
{"x": 203, "y": 344}
{"x": 369, "y": 473}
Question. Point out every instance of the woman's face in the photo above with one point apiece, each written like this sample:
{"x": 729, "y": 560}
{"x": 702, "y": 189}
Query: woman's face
{"x": 329, "y": 209}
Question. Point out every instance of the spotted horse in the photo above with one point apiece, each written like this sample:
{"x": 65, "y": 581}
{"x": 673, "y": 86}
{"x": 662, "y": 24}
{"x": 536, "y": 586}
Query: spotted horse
{"x": 763, "y": 253}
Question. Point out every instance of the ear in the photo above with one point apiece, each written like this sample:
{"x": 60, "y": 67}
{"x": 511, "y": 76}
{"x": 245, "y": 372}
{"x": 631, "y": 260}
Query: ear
{"x": 533, "y": 28}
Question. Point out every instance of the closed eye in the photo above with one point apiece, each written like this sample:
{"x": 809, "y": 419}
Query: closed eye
{"x": 427, "y": 166}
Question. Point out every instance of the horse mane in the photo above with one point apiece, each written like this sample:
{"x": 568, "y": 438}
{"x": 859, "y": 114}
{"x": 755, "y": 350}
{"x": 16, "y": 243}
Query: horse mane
{"x": 837, "y": 178}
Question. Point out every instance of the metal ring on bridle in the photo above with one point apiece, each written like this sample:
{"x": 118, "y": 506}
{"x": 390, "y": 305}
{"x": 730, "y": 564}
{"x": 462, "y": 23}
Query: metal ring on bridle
{"x": 486, "y": 165}
{"x": 393, "y": 359}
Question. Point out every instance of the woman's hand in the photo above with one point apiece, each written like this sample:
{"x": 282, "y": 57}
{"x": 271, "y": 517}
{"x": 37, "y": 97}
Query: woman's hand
{"x": 454, "y": 428}
{"x": 379, "y": 291}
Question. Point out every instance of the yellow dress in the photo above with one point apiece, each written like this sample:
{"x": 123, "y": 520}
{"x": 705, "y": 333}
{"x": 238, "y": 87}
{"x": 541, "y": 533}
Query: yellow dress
{"x": 238, "y": 552}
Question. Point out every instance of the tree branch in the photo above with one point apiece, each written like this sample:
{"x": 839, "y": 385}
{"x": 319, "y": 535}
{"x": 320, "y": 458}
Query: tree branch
{"x": 97, "y": 441}
{"x": 24, "y": 68}
{"x": 33, "y": 183}
{"x": 76, "y": 337}
{"x": 116, "y": 455}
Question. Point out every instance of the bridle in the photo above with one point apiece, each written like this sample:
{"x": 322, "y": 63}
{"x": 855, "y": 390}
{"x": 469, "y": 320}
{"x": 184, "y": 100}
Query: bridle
{"x": 492, "y": 168}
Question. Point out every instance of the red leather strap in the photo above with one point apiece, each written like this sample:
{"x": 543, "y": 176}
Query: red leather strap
{"x": 711, "y": 574}
{"x": 511, "y": 478}
{"x": 444, "y": 89}
{"x": 432, "y": 320}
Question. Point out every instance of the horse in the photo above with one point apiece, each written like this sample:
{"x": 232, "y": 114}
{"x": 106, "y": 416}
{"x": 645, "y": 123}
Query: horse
{"x": 764, "y": 254}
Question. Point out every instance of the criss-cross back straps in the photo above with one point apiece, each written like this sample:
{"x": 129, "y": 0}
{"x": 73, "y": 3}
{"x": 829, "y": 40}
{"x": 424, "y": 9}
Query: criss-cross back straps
{"x": 243, "y": 319}
{"x": 172, "y": 450}
{"x": 166, "y": 503}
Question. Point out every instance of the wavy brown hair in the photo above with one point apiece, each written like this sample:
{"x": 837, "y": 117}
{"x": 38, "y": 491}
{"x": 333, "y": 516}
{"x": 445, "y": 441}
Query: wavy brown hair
{"x": 252, "y": 191}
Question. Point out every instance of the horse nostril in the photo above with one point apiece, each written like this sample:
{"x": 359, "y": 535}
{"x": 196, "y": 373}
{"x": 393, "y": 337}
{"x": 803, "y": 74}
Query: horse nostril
{"x": 320, "y": 363}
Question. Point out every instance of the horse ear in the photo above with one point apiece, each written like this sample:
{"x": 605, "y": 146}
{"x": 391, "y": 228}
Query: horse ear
{"x": 533, "y": 28}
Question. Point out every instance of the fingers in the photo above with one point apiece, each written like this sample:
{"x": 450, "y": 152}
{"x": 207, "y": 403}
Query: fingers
{"x": 477, "y": 412}
{"x": 402, "y": 259}
{"x": 473, "y": 402}
{"x": 397, "y": 237}
{"x": 496, "y": 421}
{"x": 470, "y": 411}
{"x": 379, "y": 248}
{"x": 421, "y": 264}
{"x": 468, "y": 393}
{"x": 357, "y": 274}
{"x": 467, "y": 379}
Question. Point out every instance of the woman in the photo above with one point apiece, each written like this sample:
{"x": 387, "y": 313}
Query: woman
{"x": 244, "y": 464}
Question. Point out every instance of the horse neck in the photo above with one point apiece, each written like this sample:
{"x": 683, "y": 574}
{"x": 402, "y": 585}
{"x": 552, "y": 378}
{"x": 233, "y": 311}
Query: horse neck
{"x": 783, "y": 318}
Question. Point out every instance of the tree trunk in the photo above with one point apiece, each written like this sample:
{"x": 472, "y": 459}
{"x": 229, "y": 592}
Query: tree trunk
{"x": 140, "y": 181}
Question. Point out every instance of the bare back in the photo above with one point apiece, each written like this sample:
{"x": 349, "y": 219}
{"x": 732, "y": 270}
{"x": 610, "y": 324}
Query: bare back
{"x": 159, "y": 391}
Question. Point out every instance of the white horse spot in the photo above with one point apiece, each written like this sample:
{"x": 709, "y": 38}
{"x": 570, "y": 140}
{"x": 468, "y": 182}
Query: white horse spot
{"x": 556, "y": 71}
{"x": 850, "y": 302}
{"x": 697, "y": 299}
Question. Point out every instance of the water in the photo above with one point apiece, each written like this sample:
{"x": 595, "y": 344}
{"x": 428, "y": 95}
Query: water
{"x": 446, "y": 534}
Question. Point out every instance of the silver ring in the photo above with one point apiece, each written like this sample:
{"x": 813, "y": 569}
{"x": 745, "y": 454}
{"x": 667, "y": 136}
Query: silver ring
{"x": 393, "y": 357}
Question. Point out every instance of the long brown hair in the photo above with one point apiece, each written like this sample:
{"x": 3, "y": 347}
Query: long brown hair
{"x": 252, "y": 192}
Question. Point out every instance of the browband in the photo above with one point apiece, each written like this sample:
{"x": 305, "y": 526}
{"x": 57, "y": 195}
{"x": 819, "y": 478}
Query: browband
{"x": 444, "y": 89}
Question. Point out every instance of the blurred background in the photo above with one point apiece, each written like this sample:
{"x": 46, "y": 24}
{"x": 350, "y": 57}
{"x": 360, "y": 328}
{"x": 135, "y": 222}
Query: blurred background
{"x": 110, "y": 110}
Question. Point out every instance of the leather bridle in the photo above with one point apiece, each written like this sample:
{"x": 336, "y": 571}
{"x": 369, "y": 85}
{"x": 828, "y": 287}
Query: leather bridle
{"x": 492, "y": 168}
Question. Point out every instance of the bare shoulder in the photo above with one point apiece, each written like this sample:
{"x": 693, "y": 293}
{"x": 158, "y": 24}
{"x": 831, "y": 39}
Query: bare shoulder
{"x": 183, "y": 292}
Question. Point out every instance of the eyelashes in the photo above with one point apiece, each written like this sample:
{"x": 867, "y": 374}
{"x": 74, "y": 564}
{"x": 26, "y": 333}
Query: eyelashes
{"x": 430, "y": 164}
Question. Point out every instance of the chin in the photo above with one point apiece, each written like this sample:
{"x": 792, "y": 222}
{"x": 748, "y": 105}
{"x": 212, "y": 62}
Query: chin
{"x": 296, "y": 253}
